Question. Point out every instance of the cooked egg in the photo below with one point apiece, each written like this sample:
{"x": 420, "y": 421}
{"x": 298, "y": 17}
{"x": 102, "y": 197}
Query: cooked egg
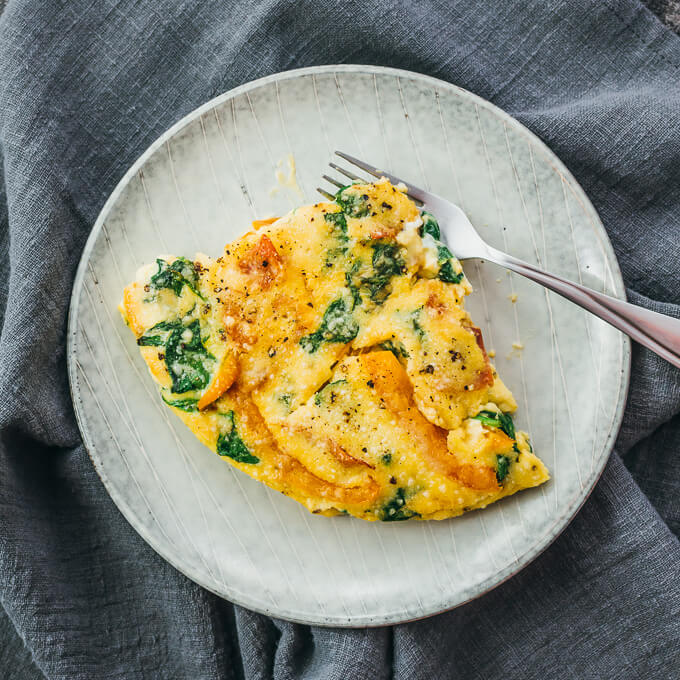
{"x": 328, "y": 354}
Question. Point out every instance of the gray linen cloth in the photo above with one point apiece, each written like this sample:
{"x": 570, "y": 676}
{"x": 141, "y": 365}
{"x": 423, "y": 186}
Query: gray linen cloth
{"x": 84, "y": 88}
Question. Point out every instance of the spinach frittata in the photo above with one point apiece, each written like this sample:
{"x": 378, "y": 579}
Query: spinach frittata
{"x": 329, "y": 355}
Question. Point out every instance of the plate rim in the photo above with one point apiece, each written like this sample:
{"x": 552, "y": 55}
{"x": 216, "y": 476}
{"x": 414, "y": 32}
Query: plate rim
{"x": 498, "y": 577}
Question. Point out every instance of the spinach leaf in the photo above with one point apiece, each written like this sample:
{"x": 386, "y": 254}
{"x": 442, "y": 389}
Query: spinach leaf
{"x": 162, "y": 333}
{"x": 231, "y": 445}
{"x": 502, "y": 421}
{"x": 444, "y": 256}
{"x": 349, "y": 281}
{"x": 415, "y": 322}
{"x": 320, "y": 394}
{"x": 502, "y": 467}
{"x": 395, "y": 509}
{"x": 185, "y": 354}
{"x": 189, "y": 405}
{"x": 337, "y": 325}
{"x": 175, "y": 275}
{"x": 397, "y": 349}
{"x": 352, "y": 203}
{"x": 447, "y": 274}
{"x": 335, "y": 254}
{"x": 430, "y": 226}
{"x": 339, "y": 223}
{"x": 387, "y": 262}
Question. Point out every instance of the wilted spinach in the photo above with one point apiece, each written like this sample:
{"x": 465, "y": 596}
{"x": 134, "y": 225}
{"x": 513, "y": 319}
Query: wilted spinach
{"x": 445, "y": 257}
{"x": 327, "y": 389}
{"x": 339, "y": 222}
{"x": 337, "y": 325}
{"x": 503, "y": 421}
{"x": 185, "y": 354}
{"x": 395, "y": 509}
{"x": 397, "y": 349}
{"x": 229, "y": 444}
{"x": 175, "y": 275}
{"x": 502, "y": 467}
{"x": 189, "y": 405}
{"x": 353, "y": 203}
{"x": 415, "y": 322}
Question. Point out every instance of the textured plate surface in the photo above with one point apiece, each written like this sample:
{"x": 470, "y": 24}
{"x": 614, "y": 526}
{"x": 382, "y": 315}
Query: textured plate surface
{"x": 198, "y": 187}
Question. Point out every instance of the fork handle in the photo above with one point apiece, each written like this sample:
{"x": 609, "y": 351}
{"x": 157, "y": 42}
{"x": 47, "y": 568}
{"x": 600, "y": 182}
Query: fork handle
{"x": 658, "y": 332}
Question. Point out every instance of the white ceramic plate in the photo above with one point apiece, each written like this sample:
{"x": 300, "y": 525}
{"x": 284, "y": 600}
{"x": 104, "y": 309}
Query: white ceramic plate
{"x": 196, "y": 188}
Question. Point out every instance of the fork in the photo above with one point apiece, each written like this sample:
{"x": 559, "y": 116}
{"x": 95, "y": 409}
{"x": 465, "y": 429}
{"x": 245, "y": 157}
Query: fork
{"x": 653, "y": 330}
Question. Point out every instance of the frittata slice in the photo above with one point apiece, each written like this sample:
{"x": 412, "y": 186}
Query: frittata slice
{"x": 329, "y": 355}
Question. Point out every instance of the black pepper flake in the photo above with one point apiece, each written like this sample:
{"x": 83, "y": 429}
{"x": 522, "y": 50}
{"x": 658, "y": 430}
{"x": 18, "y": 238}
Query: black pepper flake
{"x": 271, "y": 352}
{"x": 393, "y": 480}
{"x": 370, "y": 383}
{"x": 364, "y": 449}
{"x": 373, "y": 214}
{"x": 386, "y": 205}
{"x": 454, "y": 355}
{"x": 161, "y": 356}
{"x": 147, "y": 288}
{"x": 309, "y": 304}
{"x": 466, "y": 387}
{"x": 429, "y": 369}
{"x": 265, "y": 263}
{"x": 364, "y": 196}
{"x": 463, "y": 367}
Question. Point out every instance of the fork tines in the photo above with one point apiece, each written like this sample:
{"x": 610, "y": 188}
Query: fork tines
{"x": 371, "y": 170}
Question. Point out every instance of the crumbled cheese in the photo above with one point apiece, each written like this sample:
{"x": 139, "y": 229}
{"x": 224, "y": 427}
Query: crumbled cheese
{"x": 513, "y": 298}
{"x": 474, "y": 429}
{"x": 517, "y": 345}
{"x": 430, "y": 266}
{"x": 410, "y": 239}
{"x": 492, "y": 353}
{"x": 421, "y": 253}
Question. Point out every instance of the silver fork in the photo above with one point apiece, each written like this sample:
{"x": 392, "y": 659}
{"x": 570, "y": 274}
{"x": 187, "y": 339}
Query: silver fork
{"x": 658, "y": 332}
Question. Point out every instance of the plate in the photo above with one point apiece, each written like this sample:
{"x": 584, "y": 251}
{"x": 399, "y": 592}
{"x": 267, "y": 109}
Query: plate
{"x": 199, "y": 186}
